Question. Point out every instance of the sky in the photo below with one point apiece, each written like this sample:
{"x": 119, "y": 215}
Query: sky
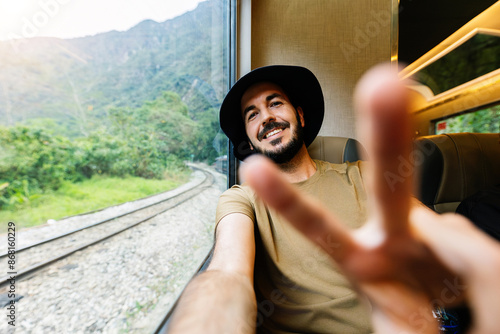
{"x": 77, "y": 18}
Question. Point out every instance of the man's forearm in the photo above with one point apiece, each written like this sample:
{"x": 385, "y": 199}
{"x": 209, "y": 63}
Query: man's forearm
{"x": 216, "y": 302}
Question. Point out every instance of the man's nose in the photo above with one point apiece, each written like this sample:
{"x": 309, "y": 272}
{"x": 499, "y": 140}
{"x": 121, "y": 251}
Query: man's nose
{"x": 267, "y": 116}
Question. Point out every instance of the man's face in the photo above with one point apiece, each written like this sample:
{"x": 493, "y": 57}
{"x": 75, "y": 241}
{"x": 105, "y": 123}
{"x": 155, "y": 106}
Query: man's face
{"x": 273, "y": 126}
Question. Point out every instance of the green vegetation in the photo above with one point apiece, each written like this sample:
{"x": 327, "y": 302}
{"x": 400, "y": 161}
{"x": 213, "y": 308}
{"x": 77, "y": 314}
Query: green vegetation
{"x": 476, "y": 57}
{"x": 480, "y": 121}
{"x": 122, "y": 105}
{"x": 73, "y": 198}
{"x": 144, "y": 142}
{"x": 44, "y": 175}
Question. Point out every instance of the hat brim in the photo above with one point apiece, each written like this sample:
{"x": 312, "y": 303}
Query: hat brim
{"x": 299, "y": 83}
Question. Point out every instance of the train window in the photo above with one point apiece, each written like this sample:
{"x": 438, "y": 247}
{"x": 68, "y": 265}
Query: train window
{"x": 111, "y": 157}
{"x": 484, "y": 120}
{"x": 455, "y": 81}
{"x": 472, "y": 57}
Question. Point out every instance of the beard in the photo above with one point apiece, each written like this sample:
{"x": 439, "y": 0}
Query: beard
{"x": 286, "y": 153}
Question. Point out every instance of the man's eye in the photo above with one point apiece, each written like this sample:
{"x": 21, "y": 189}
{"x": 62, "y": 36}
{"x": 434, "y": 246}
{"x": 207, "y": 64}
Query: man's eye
{"x": 276, "y": 103}
{"x": 252, "y": 115}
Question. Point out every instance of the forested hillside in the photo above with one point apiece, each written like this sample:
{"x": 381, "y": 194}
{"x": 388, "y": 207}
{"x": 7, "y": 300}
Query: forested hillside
{"x": 77, "y": 81}
{"x": 117, "y": 103}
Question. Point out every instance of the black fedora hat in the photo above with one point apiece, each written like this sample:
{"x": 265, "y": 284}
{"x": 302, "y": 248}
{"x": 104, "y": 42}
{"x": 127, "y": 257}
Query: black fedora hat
{"x": 301, "y": 86}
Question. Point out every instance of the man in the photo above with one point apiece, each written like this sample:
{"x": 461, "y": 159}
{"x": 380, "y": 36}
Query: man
{"x": 278, "y": 111}
{"x": 405, "y": 259}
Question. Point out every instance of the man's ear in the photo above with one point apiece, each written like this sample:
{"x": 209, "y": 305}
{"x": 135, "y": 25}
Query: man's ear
{"x": 301, "y": 116}
{"x": 250, "y": 144}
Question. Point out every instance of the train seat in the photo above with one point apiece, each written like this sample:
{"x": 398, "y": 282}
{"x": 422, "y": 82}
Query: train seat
{"x": 452, "y": 167}
{"x": 336, "y": 149}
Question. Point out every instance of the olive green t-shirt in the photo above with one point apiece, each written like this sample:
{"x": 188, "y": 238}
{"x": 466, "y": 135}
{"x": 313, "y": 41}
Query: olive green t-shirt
{"x": 298, "y": 287}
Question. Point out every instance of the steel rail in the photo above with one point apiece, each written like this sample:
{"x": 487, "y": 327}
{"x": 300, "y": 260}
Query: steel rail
{"x": 37, "y": 267}
{"x": 62, "y": 235}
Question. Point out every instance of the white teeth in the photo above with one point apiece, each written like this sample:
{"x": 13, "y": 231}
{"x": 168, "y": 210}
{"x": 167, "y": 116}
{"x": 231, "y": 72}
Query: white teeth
{"x": 272, "y": 133}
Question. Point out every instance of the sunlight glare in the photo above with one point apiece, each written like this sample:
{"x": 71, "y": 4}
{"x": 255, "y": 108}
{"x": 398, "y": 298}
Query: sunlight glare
{"x": 11, "y": 14}
{"x": 77, "y": 18}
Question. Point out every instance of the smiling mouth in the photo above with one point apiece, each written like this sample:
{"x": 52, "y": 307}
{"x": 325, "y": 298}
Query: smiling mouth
{"x": 272, "y": 133}
{"x": 272, "y": 129}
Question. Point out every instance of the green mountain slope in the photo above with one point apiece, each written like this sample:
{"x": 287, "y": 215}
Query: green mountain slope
{"x": 77, "y": 81}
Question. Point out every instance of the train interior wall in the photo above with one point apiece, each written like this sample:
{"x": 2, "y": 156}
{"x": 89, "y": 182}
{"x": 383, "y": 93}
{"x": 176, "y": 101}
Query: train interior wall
{"x": 336, "y": 40}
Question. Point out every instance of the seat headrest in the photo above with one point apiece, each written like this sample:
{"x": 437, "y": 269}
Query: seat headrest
{"x": 336, "y": 149}
{"x": 455, "y": 166}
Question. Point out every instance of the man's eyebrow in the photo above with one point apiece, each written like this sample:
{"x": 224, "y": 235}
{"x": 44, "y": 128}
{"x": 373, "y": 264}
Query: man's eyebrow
{"x": 247, "y": 109}
{"x": 272, "y": 96}
{"x": 268, "y": 98}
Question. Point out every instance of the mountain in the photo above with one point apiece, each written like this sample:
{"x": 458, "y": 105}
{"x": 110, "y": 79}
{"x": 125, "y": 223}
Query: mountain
{"x": 77, "y": 81}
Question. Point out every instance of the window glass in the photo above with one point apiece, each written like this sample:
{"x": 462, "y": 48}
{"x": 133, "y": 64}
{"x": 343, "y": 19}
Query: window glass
{"x": 476, "y": 57}
{"x": 103, "y": 103}
{"x": 485, "y": 120}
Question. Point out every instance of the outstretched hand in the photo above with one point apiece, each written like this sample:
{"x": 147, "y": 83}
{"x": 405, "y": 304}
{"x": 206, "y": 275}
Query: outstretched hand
{"x": 406, "y": 259}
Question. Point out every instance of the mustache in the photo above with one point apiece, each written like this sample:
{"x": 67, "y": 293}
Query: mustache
{"x": 270, "y": 126}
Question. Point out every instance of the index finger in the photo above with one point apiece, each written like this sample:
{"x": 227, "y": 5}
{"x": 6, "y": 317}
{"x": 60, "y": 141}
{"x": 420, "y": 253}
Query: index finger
{"x": 384, "y": 127}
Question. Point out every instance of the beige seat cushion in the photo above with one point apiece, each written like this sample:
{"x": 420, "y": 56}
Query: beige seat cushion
{"x": 336, "y": 149}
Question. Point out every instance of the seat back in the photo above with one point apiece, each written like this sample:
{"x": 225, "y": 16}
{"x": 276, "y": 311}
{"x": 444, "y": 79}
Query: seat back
{"x": 455, "y": 166}
{"x": 336, "y": 149}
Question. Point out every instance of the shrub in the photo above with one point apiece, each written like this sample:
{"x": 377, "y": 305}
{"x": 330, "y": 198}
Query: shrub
{"x": 32, "y": 160}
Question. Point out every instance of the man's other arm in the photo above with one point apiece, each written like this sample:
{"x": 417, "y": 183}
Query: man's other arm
{"x": 221, "y": 299}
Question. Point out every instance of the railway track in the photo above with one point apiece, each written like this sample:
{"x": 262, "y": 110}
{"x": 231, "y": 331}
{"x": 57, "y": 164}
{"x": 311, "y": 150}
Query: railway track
{"x": 41, "y": 254}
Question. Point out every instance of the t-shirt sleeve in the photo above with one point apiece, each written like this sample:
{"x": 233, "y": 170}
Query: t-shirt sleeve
{"x": 234, "y": 200}
{"x": 363, "y": 166}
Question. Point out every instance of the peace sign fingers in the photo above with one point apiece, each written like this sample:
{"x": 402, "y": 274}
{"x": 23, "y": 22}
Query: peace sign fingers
{"x": 384, "y": 128}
